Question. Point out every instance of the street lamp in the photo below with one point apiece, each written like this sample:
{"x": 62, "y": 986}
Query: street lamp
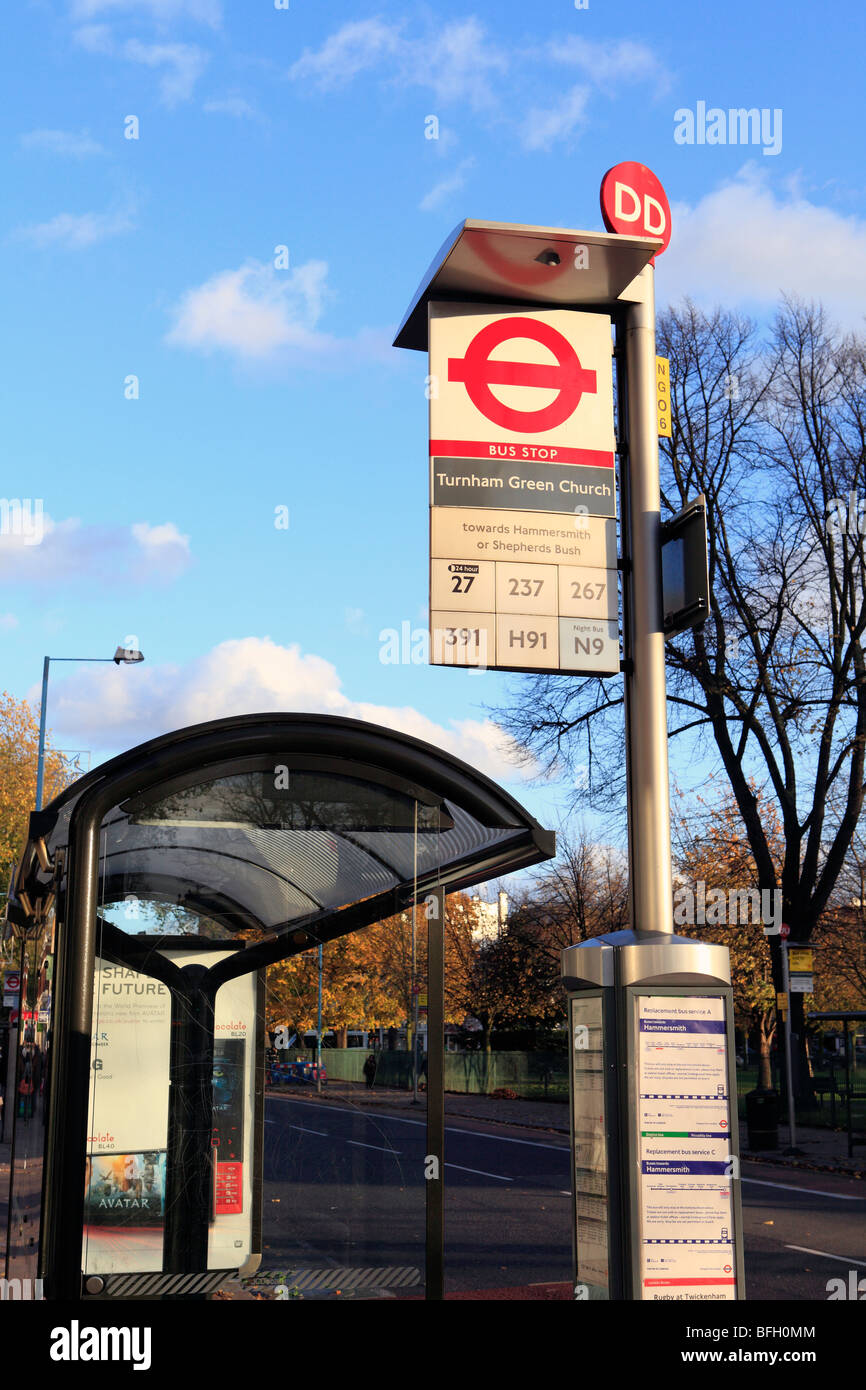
{"x": 128, "y": 656}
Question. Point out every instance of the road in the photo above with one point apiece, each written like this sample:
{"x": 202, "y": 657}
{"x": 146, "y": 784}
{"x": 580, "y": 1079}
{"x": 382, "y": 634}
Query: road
{"x": 344, "y": 1188}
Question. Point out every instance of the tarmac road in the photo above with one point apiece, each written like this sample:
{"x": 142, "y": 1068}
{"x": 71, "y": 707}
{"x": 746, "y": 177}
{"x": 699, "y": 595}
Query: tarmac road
{"x": 344, "y": 1190}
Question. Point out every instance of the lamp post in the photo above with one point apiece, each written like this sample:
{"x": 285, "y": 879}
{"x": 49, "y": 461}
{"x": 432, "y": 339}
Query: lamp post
{"x": 127, "y": 656}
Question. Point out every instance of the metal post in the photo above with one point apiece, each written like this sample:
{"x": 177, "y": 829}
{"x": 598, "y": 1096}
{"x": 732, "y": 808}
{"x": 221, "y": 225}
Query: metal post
{"x": 414, "y": 1022}
{"x": 434, "y": 1166}
{"x": 848, "y": 1084}
{"x": 40, "y": 765}
{"x": 645, "y": 694}
{"x": 190, "y": 1156}
{"x": 319, "y": 1029}
{"x": 789, "y": 1076}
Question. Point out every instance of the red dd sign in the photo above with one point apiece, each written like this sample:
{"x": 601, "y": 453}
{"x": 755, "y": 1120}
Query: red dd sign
{"x": 634, "y": 203}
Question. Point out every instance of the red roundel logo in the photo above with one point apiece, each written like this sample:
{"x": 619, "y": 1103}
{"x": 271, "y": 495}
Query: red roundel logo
{"x": 634, "y": 203}
{"x": 479, "y": 371}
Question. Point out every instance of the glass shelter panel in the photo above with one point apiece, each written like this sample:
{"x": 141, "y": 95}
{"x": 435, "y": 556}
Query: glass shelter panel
{"x": 27, "y": 1088}
{"x": 345, "y": 1116}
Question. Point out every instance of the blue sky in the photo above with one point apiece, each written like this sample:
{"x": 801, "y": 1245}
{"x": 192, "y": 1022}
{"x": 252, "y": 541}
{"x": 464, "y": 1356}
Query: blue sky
{"x": 262, "y": 387}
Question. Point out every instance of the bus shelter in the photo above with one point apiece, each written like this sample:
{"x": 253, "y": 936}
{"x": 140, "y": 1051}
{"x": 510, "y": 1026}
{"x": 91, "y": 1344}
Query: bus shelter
{"x": 150, "y": 898}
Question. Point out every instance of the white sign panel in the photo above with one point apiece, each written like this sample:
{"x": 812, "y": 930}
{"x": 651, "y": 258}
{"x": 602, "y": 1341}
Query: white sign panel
{"x": 684, "y": 1124}
{"x": 522, "y": 490}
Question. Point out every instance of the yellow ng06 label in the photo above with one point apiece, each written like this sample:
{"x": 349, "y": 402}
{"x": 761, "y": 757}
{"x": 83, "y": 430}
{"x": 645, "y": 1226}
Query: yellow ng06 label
{"x": 663, "y": 396}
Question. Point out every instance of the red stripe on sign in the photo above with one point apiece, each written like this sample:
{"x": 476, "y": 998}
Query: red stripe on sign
{"x": 682, "y": 1283}
{"x": 523, "y": 453}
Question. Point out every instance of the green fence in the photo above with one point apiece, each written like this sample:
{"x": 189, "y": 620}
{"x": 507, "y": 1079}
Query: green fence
{"x": 530, "y": 1075}
{"x": 544, "y": 1076}
{"x": 829, "y": 1110}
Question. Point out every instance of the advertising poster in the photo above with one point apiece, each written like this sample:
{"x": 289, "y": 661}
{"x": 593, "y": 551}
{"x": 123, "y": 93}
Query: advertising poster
{"x": 126, "y": 1190}
{"x": 128, "y": 1133}
{"x": 684, "y": 1116}
{"x": 590, "y": 1146}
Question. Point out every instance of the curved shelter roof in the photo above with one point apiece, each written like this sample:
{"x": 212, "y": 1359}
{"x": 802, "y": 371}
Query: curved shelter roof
{"x": 271, "y": 823}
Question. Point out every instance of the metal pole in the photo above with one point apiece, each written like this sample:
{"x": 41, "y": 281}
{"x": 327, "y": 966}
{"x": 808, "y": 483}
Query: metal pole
{"x": 789, "y": 1076}
{"x": 434, "y": 1168}
{"x": 40, "y": 765}
{"x": 645, "y": 693}
{"x": 848, "y": 1092}
{"x": 415, "y": 1041}
{"x": 319, "y": 1029}
{"x": 414, "y": 969}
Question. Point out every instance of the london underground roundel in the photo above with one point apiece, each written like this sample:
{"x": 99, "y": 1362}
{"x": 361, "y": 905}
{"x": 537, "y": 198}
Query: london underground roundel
{"x": 634, "y": 203}
{"x": 521, "y": 383}
{"x": 479, "y": 371}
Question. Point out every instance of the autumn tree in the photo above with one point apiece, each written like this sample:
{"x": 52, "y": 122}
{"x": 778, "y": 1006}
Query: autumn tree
{"x": 710, "y": 848}
{"x": 367, "y": 976}
{"x": 840, "y": 937}
{"x": 19, "y": 754}
{"x": 506, "y": 982}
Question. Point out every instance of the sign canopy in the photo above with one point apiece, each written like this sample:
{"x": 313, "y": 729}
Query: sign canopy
{"x": 498, "y": 262}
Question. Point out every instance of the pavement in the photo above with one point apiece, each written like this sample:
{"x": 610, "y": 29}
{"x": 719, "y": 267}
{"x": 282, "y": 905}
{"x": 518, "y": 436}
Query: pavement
{"x": 817, "y": 1150}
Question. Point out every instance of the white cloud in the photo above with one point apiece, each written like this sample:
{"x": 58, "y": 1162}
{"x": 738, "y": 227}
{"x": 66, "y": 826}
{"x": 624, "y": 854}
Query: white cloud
{"x": 231, "y": 106}
{"x": 8, "y": 622}
{"x": 558, "y": 122}
{"x": 184, "y": 61}
{"x": 457, "y": 63}
{"x": 164, "y": 550}
{"x": 610, "y": 62}
{"x": 76, "y": 231}
{"x": 63, "y": 142}
{"x": 243, "y": 676}
{"x": 95, "y": 38}
{"x": 352, "y": 49}
{"x": 454, "y": 60}
{"x": 452, "y": 183}
{"x": 609, "y": 65}
{"x": 161, "y": 11}
{"x": 69, "y": 551}
{"x": 745, "y": 242}
{"x": 254, "y": 311}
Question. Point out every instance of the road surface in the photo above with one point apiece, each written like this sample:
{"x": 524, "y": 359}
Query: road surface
{"x": 344, "y": 1190}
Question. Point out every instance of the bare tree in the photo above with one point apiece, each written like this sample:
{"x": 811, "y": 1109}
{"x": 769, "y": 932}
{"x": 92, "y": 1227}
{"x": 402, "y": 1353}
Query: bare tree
{"x": 773, "y": 686}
